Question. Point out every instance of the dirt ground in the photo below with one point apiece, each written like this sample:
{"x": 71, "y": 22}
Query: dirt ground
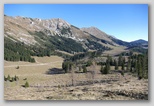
{"x": 45, "y": 86}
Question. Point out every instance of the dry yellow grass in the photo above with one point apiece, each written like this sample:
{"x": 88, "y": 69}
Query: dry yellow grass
{"x": 116, "y": 50}
{"x": 41, "y": 84}
{"x": 47, "y": 59}
{"x": 34, "y": 72}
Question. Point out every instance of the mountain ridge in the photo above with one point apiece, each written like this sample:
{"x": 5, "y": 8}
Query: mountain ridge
{"x": 58, "y": 33}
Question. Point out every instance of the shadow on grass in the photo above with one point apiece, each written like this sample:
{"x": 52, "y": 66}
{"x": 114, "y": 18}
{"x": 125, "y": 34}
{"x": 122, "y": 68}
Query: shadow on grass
{"x": 55, "y": 71}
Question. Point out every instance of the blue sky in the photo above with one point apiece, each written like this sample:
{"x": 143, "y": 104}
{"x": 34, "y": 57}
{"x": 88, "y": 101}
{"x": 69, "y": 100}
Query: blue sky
{"x": 127, "y": 22}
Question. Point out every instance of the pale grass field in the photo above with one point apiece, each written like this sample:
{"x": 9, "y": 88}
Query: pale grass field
{"x": 57, "y": 87}
{"x": 34, "y": 72}
{"x": 116, "y": 50}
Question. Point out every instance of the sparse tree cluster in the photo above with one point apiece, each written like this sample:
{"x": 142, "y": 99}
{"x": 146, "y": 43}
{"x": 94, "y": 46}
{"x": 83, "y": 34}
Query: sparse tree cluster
{"x": 67, "y": 66}
{"x": 106, "y": 68}
{"x": 11, "y": 79}
{"x": 137, "y": 64}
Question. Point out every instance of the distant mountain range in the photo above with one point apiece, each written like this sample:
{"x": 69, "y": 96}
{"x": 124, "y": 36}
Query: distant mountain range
{"x": 61, "y": 35}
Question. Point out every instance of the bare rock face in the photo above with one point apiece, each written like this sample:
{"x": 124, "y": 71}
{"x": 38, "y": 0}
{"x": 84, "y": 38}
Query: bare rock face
{"x": 19, "y": 28}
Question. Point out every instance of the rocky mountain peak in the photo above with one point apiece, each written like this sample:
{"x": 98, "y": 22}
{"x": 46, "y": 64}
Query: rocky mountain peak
{"x": 97, "y": 33}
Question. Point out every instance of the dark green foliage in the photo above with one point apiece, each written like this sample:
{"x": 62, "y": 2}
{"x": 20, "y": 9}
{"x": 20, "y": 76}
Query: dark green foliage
{"x": 16, "y": 51}
{"x": 17, "y": 67}
{"x": 106, "y": 42}
{"x": 139, "y": 68}
{"x": 129, "y": 65}
{"x": 127, "y": 53}
{"x": 136, "y": 69}
{"x": 58, "y": 42}
{"x": 16, "y": 78}
{"x": 123, "y": 66}
{"x": 66, "y": 44}
{"x": 100, "y": 63}
{"x": 108, "y": 64}
{"x": 95, "y": 46}
{"x": 138, "y": 49}
{"x": 84, "y": 69}
{"x": 41, "y": 35}
{"x": 66, "y": 31}
{"x": 140, "y": 65}
{"x": 122, "y": 73}
{"x": 79, "y": 69}
{"x": 102, "y": 69}
{"x": 106, "y": 69}
{"x": 5, "y": 78}
{"x": 26, "y": 85}
{"x": 110, "y": 60}
{"x": 89, "y": 63}
{"x": 120, "y": 60}
{"x": 67, "y": 66}
{"x": 65, "y": 56}
{"x": 86, "y": 54}
{"x": 116, "y": 65}
{"x": 11, "y": 79}
{"x": 8, "y": 78}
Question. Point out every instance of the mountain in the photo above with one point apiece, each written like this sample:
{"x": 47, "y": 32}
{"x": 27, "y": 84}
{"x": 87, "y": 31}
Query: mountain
{"x": 139, "y": 42}
{"x": 97, "y": 33}
{"x": 138, "y": 45}
{"x": 44, "y": 37}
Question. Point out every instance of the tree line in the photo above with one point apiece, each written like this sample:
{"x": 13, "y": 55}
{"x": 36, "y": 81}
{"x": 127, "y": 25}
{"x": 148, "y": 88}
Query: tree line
{"x": 136, "y": 64}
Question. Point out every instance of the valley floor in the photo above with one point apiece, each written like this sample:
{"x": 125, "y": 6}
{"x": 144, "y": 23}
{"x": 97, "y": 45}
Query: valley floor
{"x": 45, "y": 86}
{"x": 128, "y": 88}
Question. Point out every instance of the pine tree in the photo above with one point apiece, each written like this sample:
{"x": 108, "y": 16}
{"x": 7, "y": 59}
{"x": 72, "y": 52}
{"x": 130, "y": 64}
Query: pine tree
{"x": 84, "y": 69}
{"x": 26, "y": 84}
{"x": 120, "y": 60}
{"x": 5, "y": 79}
{"x": 106, "y": 69}
{"x": 139, "y": 69}
{"x": 129, "y": 65}
{"x": 136, "y": 69}
{"x": 122, "y": 73}
{"x": 116, "y": 65}
{"x": 8, "y": 78}
{"x": 124, "y": 60}
{"x": 108, "y": 64}
{"x": 143, "y": 66}
{"x": 102, "y": 69}
{"x": 122, "y": 66}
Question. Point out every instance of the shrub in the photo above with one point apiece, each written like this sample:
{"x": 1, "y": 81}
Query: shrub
{"x": 84, "y": 69}
{"x": 5, "y": 79}
{"x": 16, "y": 78}
{"x": 8, "y": 77}
{"x": 122, "y": 73}
{"x": 26, "y": 84}
{"x": 17, "y": 67}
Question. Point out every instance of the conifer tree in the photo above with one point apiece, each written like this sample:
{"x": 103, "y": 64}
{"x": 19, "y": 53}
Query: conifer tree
{"x": 102, "y": 69}
{"x": 136, "y": 69}
{"x": 122, "y": 66}
{"x": 129, "y": 65}
{"x": 120, "y": 60}
{"x": 84, "y": 69}
{"x": 116, "y": 65}
{"x": 26, "y": 84}
{"x": 5, "y": 79}
{"x": 139, "y": 69}
{"x": 8, "y": 78}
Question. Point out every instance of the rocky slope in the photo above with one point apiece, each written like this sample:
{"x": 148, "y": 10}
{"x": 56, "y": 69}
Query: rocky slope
{"x": 58, "y": 34}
